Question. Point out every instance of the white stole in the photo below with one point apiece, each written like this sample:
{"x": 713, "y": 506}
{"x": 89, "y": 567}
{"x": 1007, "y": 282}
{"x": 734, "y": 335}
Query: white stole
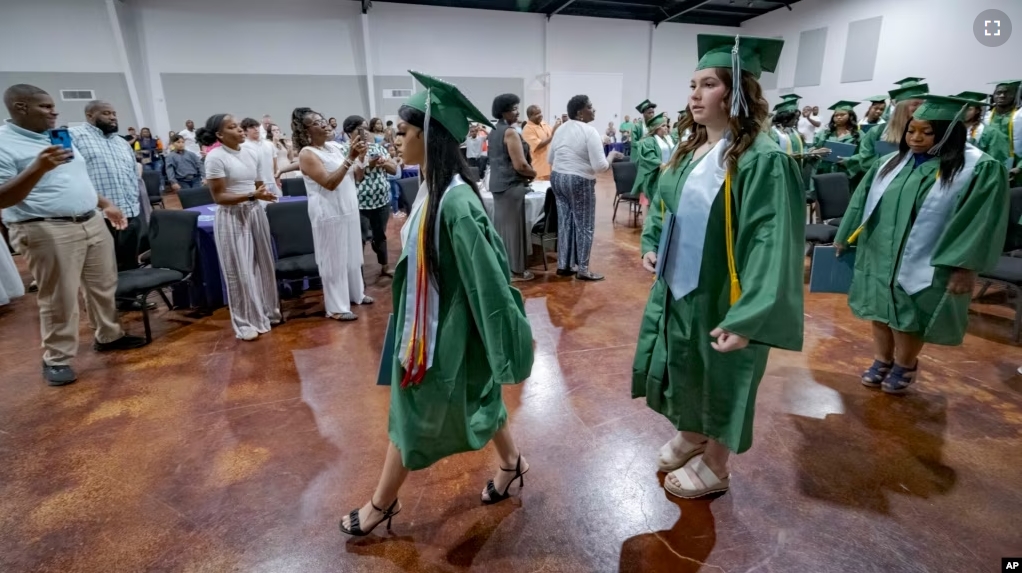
{"x": 410, "y": 243}
{"x": 783, "y": 141}
{"x": 916, "y": 272}
{"x": 879, "y": 186}
{"x": 685, "y": 252}
{"x": 666, "y": 144}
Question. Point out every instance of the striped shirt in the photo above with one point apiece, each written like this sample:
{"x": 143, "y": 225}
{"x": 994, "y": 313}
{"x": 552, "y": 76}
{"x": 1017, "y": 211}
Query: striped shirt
{"x": 111, "y": 165}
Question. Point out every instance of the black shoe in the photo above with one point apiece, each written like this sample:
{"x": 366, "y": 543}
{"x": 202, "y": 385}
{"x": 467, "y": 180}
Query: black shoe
{"x": 125, "y": 342}
{"x": 356, "y": 527}
{"x": 491, "y": 492}
{"x": 33, "y": 287}
{"x": 566, "y": 272}
{"x": 58, "y": 375}
{"x": 133, "y": 305}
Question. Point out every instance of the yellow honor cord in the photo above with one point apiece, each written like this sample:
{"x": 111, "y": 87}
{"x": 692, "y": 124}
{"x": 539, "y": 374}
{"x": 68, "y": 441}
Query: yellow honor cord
{"x": 1011, "y": 134}
{"x": 736, "y": 287}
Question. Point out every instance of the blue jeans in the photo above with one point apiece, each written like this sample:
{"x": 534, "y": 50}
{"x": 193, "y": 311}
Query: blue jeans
{"x": 190, "y": 183}
{"x": 395, "y": 194}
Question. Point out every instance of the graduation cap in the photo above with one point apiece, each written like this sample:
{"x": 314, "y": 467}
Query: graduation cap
{"x": 793, "y": 97}
{"x": 656, "y": 121}
{"x": 877, "y": 99}
{"x": 844, "y": 105}
{"x": 909, "y": 91}
{"x": 788, "y": 105}
{"x": 646, "y": 104}
{"x": 1011, "y": 85}
{"x": 979, "y": 97}
{"x": 748, "y": 53}
{"x": 445, "y": 103}
{"x": 942, "y": 108}
{"x": 906, "y": 81}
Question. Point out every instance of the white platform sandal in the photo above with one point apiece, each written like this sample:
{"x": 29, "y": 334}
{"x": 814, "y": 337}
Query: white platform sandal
{"x": 696, "y": 480}
{"x": 669, "y": 460}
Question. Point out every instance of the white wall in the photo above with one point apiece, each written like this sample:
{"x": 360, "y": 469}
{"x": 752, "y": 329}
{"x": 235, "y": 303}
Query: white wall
{"x": 922, "y": 38}
{"x": 674, "y": 60}
{"x": 56, "y": 36}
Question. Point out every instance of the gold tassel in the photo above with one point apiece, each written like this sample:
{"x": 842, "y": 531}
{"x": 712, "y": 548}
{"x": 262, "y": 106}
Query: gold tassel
{"x": 736, "y": 287}
{"x": 855, "y": 235}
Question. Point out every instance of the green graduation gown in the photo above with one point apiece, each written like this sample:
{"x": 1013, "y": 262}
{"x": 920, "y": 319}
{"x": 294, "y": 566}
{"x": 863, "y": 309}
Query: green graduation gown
{"x": 648, "y": 158}
{"x": 821, "y": 141}
{"x": 865, "y": 156}
{"x": 695, "y": 387}
{"x": 972, "y": 239}
{"x": 639, "y": 131}
{"x": 483, "y": 340}
{"x": 992, "y": 142}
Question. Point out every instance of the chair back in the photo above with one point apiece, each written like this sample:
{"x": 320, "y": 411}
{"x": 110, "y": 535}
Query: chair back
{"x": 294, "y": 187}
{"x": 833, "y": 193}
{"x": 409, "y": 189}
{"x": 172, "y": 239}
{"x": 291, "y": 228}
{"x": 547, "y": 224}
{"x": 625, "y": 173}
{"x": 1013, "y": 240}
{"x": 195, "y": 197}
{"x": 151, "y": 179}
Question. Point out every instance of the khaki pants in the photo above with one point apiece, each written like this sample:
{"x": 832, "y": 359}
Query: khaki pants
{"x": 63, "y": 257}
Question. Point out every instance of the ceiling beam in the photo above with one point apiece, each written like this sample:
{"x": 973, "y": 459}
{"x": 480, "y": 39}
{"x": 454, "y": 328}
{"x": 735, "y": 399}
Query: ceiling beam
{"x": 682, "y": 9}
{"x": 708, "y": 20}
{"x": 553, "y": 6}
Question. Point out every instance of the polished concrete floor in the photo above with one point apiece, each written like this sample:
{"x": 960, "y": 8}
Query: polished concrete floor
{"x": 205, "y": 453}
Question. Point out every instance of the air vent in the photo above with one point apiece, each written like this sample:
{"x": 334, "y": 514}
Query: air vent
{"x": 397, "y": 94}
{"x": 77, "y": 95}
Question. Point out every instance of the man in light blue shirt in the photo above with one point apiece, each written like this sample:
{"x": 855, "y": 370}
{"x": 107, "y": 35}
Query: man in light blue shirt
{"x": 50, "y": 206}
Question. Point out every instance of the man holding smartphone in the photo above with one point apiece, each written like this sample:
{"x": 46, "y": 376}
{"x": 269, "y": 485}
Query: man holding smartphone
{"x": 50, "y": 206}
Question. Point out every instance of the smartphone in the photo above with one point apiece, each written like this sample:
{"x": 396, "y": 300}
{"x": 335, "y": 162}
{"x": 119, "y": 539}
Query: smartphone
{"x": 362, "y": 135}
{"x": 62, "y": 137}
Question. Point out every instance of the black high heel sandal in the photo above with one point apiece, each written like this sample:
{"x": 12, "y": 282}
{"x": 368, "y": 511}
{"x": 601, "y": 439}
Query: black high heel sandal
{"x": 496, "y": 496}
{"x": 356, "y": 528}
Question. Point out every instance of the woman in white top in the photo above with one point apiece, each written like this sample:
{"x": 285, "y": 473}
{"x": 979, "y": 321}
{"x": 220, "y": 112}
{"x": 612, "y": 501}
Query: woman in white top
{"x": 240, "y": 228}
{"x": 576, "y": 156}
{"x": 330, "y": 180}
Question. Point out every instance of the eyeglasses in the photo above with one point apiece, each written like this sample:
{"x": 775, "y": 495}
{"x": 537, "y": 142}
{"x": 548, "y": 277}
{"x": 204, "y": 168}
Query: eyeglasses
{"x": 318, "y": 122}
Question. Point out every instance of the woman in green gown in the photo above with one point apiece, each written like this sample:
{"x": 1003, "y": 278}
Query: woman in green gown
{"x": 989, "y": 141}
{"x": 843, "y": 128}
{"x": 924, "y": 222}
{"x": 725, "y": 238}
{"x": 650, "y": 155}
{"x": 907, "y": 98}
{"x": 452, "y": 294}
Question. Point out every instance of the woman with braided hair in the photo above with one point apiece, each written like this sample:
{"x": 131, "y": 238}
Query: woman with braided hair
{"x": 330, "y": 180}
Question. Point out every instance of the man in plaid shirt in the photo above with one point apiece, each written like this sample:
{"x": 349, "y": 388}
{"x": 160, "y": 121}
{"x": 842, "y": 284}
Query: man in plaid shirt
{"x": 111, "y": 165}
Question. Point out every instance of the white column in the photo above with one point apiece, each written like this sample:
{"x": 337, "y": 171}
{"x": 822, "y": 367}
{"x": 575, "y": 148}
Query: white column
{"x": 649, "y": 61}
{"x": 368, "y": 65}
{"x": 122, "y": 53}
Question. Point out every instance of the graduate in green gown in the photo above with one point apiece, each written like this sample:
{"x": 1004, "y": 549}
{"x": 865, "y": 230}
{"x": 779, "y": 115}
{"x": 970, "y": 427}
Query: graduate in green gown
{"x": 784, "y": 130}
{"x": 900, "y": 83}
{"x": 923, "y": 222}
{"x": 905, "y": 100}
{"x": 452, "y": 295}
{"x": 725, "y": 237}
{"x": 651, "y": 154}
{"x": 989, "y": 141}
{"x": 648, "y": 110}
{"x": 680, "y": 130}
{"x": 1006, "y": 117}
{"x": 876, "y": 112}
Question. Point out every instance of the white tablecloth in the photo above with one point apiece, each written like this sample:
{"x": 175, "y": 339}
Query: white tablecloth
{"x": 534, "y": 201}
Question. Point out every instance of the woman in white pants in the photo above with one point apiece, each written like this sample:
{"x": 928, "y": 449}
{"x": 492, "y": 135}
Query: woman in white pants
{"x": 240, "y": 228}
{"x": 330, "y": 180}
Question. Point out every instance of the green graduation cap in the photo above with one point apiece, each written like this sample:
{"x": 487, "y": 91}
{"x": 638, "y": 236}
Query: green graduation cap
{"x": 905, "y": 81}
{"x": 646, "y": 104}
{"x": 789, "y": 105}
{"x": 909, "y": 91}
{"x": 941, "y": 108}
{"x": 1010, "y": 84}
{"x": 446, "y": 104}
{"x": 974, "y": 96}
{"x": 793, "y": 97}
{"x": 877, "y": 99}
{"x": 844, "y": 105}
{"x": 755, "y": 55}
{"x": 656, "y": 121}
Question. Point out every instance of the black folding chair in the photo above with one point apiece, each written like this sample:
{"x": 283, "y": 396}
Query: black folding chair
{"x": 1008, "y": 272}
{"x": 294, "y": 187}
{"x": 625, "y": 173}
{"x": 152, "y": 181}
{"x": 544, "y": 232}
{"x": 833, "y": 195}
{"x": 171, "y": 259}
{"x": 195, "y": 197}
{"x": 292, "y": 233}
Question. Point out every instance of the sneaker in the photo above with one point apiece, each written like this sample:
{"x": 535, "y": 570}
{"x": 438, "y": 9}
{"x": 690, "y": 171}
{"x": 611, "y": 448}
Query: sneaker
{"x": 249, "y": 336}
{"x": 59, "y": 375}
{"x": 125, "y": 342}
